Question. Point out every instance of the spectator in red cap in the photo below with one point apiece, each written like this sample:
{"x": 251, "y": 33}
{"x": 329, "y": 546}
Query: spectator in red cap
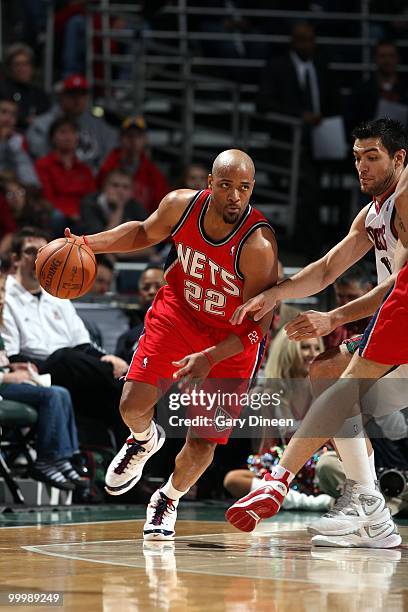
{"x": 149, "y": 184}
{"x": 64, "y": 178}
{"x": 96, "y": 137}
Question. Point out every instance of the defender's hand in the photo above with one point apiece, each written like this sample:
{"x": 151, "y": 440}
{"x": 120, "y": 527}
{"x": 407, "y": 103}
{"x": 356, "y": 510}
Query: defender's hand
{"x": 260, "y": 305}
{"x": 310, "y": 324}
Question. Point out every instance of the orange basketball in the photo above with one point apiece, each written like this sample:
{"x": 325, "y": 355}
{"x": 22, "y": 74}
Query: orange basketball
{"x": 66, "y": 268}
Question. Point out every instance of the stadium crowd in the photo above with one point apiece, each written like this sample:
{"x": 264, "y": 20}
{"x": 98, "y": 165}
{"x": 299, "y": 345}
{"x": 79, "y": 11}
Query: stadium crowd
{"x": 60, "y": 165}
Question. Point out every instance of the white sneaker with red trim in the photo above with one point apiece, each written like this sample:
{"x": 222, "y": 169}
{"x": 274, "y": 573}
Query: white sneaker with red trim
{"x": 264, "y": 502}
{"x": 161, "y": 517}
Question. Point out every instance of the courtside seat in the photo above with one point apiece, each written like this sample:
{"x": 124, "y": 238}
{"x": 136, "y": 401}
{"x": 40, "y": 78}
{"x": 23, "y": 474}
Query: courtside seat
{"x": 16, "y": 414}
{"x": 13, "y": 416}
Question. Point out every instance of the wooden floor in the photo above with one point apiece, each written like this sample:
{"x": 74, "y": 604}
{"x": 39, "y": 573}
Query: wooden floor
{"x": 105, "y": 566}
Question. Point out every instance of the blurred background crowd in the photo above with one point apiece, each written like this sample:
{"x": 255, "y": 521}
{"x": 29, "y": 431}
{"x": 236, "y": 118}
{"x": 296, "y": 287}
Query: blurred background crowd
{"x": 104, "y": 108}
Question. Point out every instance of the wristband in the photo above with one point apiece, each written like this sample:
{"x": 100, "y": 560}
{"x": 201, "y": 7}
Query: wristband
{"x": 85, "y": 239}
{"x": 252, "y": 336}
{"x": 210, "y": 359}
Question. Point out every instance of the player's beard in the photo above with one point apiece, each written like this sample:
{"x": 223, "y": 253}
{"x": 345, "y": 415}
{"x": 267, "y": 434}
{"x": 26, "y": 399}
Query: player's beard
{"x": 230, "y": 218}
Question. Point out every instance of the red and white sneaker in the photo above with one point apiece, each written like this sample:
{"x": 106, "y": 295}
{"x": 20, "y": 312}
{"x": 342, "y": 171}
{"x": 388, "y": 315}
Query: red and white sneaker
{"x": 262, "y": 503}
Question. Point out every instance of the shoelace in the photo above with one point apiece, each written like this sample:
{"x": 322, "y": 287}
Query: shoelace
{"x": 133, "y": 449}
{"x": 163, "y": 505}
{"x": 344, "y": 500}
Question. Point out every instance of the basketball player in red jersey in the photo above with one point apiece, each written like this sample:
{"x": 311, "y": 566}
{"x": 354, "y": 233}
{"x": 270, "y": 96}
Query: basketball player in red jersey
{"x": 224, "y": 253}
{"x": 361, "y": 517}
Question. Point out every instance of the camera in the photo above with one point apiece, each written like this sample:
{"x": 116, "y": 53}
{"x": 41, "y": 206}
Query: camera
{"x": 392, "y": 481}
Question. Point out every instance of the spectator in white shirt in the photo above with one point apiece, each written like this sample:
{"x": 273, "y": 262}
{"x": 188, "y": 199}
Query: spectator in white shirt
{"x": 47, "y": 331}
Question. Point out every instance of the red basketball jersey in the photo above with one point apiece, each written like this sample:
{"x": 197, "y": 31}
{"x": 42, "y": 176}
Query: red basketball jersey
{"x": 204, "y": 274}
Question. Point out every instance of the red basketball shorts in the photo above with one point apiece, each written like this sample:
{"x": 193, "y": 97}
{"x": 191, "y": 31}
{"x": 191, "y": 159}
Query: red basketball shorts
{"x": 171, "y": 333}
{"x": 386, "y": 338}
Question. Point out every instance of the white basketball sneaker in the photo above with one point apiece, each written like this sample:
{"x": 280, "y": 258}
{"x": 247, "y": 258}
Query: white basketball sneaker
{"x": 161, "y": 517}
{"x": 360, "y": 518}
{"x": 125, "y": 469}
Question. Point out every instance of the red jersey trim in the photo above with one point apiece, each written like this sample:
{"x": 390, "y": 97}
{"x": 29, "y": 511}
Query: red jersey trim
{"x": 227, "y": 238}
{"x": 243, "y": 240}
{"x": 185, "y": 214}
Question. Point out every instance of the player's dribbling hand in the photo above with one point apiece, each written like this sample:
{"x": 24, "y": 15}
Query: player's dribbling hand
{"x": 192, "y": 369}
{"x": 260, "y": 305}
{"x": 310, "y": 324}
{"x": 69, "y": 234}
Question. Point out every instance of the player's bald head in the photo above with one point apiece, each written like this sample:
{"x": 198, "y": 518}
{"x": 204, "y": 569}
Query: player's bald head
{"x": 233, "y": 159}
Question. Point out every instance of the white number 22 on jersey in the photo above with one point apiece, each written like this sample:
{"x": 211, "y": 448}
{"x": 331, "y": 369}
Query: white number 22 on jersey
{"x": 214, "y": 300}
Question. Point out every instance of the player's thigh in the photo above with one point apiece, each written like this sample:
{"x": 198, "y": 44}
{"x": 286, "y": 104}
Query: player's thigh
{"x": 328, "y": 367}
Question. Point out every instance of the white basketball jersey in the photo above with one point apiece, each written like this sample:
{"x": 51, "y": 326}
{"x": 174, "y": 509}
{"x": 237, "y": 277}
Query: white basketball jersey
{"x": 379, "y": 224}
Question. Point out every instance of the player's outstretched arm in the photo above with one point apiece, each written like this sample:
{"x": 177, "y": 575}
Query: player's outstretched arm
{"x": 316, "y": 276}
{"x": 311, "y": 324}
{"x": 137, "y": 235}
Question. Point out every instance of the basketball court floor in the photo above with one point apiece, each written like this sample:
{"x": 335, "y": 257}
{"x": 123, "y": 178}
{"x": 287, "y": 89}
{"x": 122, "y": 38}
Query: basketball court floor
{"x": 96, "y": 559}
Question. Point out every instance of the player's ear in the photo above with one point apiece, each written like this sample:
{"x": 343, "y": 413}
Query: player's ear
{"x": 210, "y": 181}
{"x": 400, "y": 156}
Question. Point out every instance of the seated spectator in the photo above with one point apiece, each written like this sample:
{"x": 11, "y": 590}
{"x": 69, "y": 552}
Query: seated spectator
{"x": 65, "y": 351}
{"x": 96, "y": 137}
{"x": 287, "y": 368}
{"x": 104, "y": 276}
{"x": 348, "y": 287}
{"x": 150, "y": 282}
{"x": 194, "y": 176}
{"x": 32, "y": 100}
{"x": 113, "y": 205}
{"x": 13, "y": 155}
{"x": 19, "y": 206}
{"x": 385, "y": 83}
{"x": 149, "y": 184}
{"x": 64, "y": 178}
{"x": 56, "y": 433}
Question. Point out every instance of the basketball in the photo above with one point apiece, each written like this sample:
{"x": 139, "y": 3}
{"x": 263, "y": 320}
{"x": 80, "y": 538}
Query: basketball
{"x": 66, "y": 268}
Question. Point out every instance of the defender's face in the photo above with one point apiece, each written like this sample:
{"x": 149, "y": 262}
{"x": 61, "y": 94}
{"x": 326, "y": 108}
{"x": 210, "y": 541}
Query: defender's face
{"x": 377, "y": 171}
{"x": 231, "y": 191}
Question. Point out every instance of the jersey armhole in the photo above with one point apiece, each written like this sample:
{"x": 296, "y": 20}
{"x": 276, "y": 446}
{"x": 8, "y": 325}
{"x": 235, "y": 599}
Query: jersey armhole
{"x": 185, "y": 214}
{"x": 242, "y": 242}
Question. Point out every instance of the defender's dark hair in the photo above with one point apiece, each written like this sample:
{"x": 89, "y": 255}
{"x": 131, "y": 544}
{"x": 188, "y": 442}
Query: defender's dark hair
{"x": 27, "y": 232}
{"x": 391, "y": 133}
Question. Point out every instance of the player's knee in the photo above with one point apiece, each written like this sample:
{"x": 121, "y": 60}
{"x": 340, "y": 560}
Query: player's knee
{"x": 320, "y": 366}
{"x": 130, "y": 407}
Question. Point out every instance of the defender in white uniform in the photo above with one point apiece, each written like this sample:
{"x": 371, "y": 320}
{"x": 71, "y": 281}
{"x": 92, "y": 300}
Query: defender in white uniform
{"x": 380, "y": 151}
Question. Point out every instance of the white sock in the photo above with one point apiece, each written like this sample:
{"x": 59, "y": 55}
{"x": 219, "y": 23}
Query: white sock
{"x": 280, "y": 472}
{"x": 146, "y": 437}
{"x": 353, "y": 452}
{"x": 170, "y": 491}
{"x": 372, "y": 466}
{"x": 256, "y": 483}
